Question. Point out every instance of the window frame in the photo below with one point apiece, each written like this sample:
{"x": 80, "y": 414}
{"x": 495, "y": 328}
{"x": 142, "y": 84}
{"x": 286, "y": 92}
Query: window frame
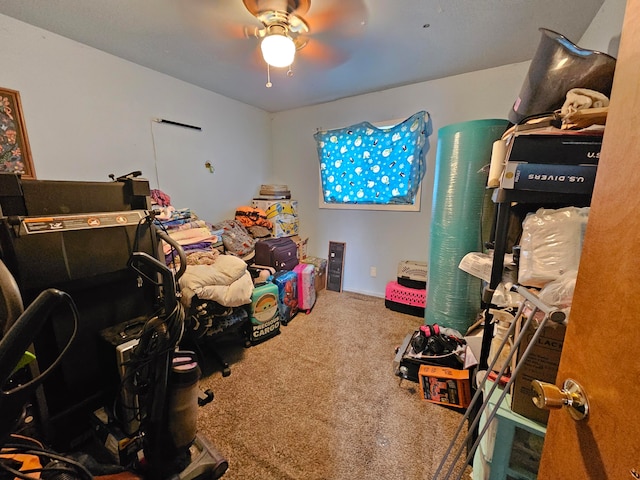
{"x": 413, "y": 207}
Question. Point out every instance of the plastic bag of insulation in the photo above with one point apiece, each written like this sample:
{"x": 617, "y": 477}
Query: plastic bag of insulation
{"x": 551, "y": 244}
{"x": 559, "y": 292}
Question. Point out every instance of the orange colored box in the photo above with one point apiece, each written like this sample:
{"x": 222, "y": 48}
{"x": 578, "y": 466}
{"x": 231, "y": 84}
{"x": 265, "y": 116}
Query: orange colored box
{"x": 444, "y": 385}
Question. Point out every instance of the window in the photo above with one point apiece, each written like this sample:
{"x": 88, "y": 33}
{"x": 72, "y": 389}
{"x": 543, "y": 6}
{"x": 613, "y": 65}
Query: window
{"x": 365, "y": 166}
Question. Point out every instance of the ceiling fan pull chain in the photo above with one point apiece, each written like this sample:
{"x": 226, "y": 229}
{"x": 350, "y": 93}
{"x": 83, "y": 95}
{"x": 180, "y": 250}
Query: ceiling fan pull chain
{"x": 268, "y": 84}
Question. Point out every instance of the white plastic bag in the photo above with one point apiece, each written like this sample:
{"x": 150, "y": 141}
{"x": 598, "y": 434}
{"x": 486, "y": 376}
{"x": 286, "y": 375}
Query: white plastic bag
{"x": 551, "y": 244}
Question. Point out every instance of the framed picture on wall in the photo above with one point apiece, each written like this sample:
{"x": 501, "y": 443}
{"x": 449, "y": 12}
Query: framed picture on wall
{"x": 15, "y": 154}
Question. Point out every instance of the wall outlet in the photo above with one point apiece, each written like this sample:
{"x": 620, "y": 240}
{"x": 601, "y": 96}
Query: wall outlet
{"x": 373, "y": 271}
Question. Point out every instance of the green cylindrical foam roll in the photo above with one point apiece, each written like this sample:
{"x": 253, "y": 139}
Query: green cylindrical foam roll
{"x": 454, "y": 296}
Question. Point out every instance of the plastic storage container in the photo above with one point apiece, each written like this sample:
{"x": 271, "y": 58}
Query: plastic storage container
{"x": 405, "y": 299}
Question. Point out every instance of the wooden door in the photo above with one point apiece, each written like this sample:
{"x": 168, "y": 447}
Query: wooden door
{"x": 602, "y": 345}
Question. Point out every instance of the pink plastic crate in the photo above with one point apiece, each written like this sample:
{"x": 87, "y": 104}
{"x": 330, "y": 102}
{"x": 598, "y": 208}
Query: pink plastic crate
{"x": 408, "y": 296}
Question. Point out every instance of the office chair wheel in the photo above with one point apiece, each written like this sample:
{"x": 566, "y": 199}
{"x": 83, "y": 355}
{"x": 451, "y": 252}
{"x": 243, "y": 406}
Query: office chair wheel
{"x": 226, "y": 371}
{"x": 205, "y": 397}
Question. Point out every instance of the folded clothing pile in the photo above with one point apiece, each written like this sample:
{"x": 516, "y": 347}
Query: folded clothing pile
{"x": 199, "y": 239}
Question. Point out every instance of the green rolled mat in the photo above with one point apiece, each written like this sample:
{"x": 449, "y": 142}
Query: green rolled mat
{"x": 454, "y": 296}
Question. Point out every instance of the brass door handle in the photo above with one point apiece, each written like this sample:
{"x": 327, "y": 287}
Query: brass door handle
{"x": 547, "y": 396}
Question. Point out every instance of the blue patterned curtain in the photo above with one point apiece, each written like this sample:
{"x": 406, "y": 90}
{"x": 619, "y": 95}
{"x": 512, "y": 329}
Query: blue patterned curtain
{"x": 364, "y": 164}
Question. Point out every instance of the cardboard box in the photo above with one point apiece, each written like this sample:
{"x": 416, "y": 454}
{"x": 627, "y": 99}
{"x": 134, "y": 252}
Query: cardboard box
{"x": 321, "y": 279}
{"x": 541, "y": 364}
{"x": 282, "y": 213}
{"x": 444, "y": 385}
{"x": 321, "y": 271}
{"x": 301, "y": 243}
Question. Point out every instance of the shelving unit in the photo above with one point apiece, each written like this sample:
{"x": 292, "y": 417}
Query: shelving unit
{"x": 505, "y": 199}
{"x": 512, "y": 447}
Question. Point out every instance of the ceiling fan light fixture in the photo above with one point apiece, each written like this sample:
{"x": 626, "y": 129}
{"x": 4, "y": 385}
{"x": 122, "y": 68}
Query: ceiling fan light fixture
{"x": 278, "y": 50}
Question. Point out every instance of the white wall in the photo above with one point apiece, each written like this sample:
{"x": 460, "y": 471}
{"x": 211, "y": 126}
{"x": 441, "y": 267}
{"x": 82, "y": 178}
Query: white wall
{"x": 604, "y": 32}
{"x": 374, "y": 238}
{"x": 382, "y": 239}
{"x": 88, "y": 114}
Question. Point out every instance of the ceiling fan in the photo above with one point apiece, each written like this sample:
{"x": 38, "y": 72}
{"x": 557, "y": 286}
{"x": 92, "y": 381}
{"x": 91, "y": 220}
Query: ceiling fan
{"x": 289, "y": 26}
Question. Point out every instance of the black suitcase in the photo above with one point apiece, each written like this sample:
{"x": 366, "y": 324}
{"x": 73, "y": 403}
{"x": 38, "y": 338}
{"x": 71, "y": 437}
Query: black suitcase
{"x": 279, "y": 253}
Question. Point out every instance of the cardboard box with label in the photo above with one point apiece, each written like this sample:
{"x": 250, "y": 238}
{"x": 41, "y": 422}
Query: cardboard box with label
{"x": 541, "y": 364}
{"x": 282, "y": 213}
{"x": 444, "y": 385}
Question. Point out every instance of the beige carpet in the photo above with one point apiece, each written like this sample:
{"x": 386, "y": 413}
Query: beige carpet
{"x": 321, "y": 401}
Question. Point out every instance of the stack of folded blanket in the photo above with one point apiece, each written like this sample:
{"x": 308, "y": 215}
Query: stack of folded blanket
{"x": 215, "y": 295}
{"x": 226, "y": 281}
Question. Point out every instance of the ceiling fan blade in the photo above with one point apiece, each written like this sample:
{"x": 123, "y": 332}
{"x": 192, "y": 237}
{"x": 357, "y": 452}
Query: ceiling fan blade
{"x": 256, "y": 60}
{"x": 228, "y": 29}
{"x": 221, "y": 20}
{"x": 321, "y": 54}
{"x": 341, "y": 17}
{"x": 297, "y": 7}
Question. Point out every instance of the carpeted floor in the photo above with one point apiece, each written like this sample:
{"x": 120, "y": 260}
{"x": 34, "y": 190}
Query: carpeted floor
{"x": 321, "y": 401}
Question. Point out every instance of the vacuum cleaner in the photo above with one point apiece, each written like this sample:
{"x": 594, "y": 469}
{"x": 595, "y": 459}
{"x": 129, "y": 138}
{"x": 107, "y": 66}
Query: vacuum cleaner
{"x": 165, "y": 379}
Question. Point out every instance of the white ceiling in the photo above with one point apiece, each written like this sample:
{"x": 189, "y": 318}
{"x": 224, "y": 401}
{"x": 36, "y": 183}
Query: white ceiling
{"x": 366, "y": 45}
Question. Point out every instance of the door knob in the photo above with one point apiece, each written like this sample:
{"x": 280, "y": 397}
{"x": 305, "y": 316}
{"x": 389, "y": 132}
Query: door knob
{"x": 547, "y": 396}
